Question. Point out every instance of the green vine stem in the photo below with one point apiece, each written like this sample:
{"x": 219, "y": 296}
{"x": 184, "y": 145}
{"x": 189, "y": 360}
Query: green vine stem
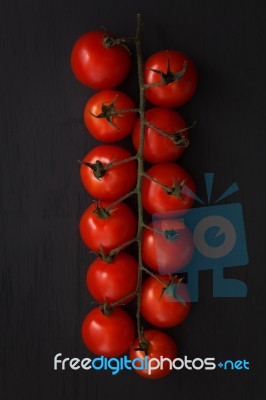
{"x": 115, "y": 251}
{"x": 126, "y": 196}
{"x": 140, "y": 167}
{"x": 165, "y": 187}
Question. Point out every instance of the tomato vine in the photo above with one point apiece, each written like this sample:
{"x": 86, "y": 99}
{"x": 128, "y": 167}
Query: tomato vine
{"x": 108, "y": 114}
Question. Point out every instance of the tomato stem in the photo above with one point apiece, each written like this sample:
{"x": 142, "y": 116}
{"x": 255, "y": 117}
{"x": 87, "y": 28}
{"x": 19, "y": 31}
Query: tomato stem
{"x": 115, "y": 251}
{"x": 153, "y": 229}
{"x": 122, "y": 300}
{"x": 174, "y": 190}
{"x": 110, "y": 41}
{"x": 177, "y": 138}
{"x": 154, "y": 276}
{"x": 170, "y": 234}
{"x": 123, "y": 161}
{"x": 126, "y": 110}
{"x": 165, "y": 187}
{"x": 142, "y": 103}
{"x": 126, "y": 196}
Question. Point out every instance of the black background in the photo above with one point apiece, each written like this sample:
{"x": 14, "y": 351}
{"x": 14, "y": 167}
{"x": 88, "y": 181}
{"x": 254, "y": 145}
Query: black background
{"x": 44, "y": 262}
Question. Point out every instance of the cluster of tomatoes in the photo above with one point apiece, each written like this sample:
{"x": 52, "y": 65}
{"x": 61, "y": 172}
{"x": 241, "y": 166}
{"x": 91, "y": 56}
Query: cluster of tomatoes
{"x": 109, "y": 172}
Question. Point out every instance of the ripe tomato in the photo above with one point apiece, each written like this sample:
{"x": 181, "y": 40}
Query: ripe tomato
{"x": 170, "y": 254}
{"x": 159, "y": 148}
{"x": 102, "y": 180}
{"x": 159, "y": 344}
{"x": 107, "y": 231}
{"x": 100, "y": 119}
{"x": 113, "y": 281}
{"x": 96, "y": 65}
{"x": 169, "y": 65}
{"x": 157, "y": 199}
{"x": 108, "y": 336}
{"x": 165, "y": 310}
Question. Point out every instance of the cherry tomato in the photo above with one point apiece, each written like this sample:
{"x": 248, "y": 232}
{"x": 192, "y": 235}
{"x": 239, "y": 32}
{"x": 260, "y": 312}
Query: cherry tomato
{"x": 157, "y": 199}
{"x": 107, "y": 231}
{"x": 169, "y": 252}
{"x": 178, "y": 73}
{"x": 100, "y": 118}
{"x": 104, "y": 181}
{"x": 159, "y": 344}
{"x": 108, "y": 336}
{"x": 168, "y": 308}
{"x": 113, "y": 281}
{"x": 159, "y": 148}
{"x": 97, "y": 65}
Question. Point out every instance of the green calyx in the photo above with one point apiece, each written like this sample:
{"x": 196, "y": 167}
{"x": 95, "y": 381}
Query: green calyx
{"x": 98, "y": 168}
{"x": 143, "y": 344}
{"x": 107, "y": 258}
{"x": 106, "y": 309}
{"x": 109, "y": 41}
{"x": 108, "y": 112}
{"x": 179, "y": 140}
{"x": 176, "y": 189}
{"x": 171, "y": 290}
{"x": 101, "y": 212}
{"x": 169, "y": 76}
{"x": 171, "y": 235}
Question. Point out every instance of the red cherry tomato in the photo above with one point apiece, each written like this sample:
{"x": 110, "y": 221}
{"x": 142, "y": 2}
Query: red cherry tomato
{"x": 108, "y": 183}
{"x": 159, "y": 344}
{"x": 108, "y": 336}
{"x": 162, "y": 308}
{"x": 107, "y": 231}
{"x": 164, "y": 65}
{"x": 113, "y": 281}
{"x": 96, "y": 65}
{"x": 169, "y": 254}
{"x": 157, "y": 200}
{"x": 159, "y": 148}
{"x": 99, "y": 118}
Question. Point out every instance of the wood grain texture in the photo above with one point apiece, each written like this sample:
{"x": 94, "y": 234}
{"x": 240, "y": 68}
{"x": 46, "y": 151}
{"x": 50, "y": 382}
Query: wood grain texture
{"x": 43, "y": 262}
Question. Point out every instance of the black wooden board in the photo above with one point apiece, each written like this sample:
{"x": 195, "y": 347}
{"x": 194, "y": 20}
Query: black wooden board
{"x": 43, "y": 261}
